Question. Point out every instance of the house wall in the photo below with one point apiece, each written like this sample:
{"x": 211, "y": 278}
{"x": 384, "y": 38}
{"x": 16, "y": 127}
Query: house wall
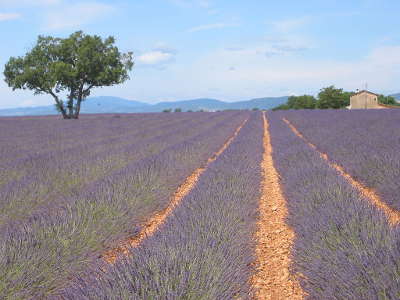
{"x": 363, "y": 101}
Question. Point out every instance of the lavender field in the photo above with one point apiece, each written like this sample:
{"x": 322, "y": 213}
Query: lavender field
{"x": 71, "y": 191}
{"x": 365, "y": 143}
{"x": 344, "y": 246}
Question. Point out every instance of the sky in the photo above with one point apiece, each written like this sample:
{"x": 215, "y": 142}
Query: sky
{"x": 225, "y": 49}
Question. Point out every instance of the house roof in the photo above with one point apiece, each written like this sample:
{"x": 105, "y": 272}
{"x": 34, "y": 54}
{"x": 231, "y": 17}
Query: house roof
{"x": 365, "y": 91}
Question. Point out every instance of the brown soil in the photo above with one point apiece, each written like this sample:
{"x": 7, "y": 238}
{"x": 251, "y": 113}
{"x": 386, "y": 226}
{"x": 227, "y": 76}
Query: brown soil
{"x": 153, "y": 224}
{"x": 392, "y": 214}
{"x": 273, "y": 280}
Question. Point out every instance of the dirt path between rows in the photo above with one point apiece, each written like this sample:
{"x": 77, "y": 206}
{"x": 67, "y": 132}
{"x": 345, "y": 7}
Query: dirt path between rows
{"x": 273, "y": 280}
{"x": 153, "y": 224}
{"x": 392, "y": 214}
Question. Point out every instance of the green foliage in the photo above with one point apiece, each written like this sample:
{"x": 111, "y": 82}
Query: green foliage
{"x": 281, "y": 107}
{"x": 72, "y": 66}
{"x": 302, "y": 102}
{"x": 328, "y": 98}
{"x": 388, "y": 100}
{"x": 332, "y": 97}
{"x": 178, "y": 110}
{"x": 298, "y": 102}
{"x": 255, "y": 109}
{"x": 167, "y": 110}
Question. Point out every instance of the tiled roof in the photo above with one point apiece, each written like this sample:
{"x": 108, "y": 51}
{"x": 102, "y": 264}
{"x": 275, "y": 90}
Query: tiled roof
{"x": 365, "y": 91}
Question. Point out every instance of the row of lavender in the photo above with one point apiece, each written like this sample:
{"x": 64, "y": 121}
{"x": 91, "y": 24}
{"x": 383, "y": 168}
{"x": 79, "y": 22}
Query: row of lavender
{"x": 63, "y": 236}
{"x": 61, "y": 173}
{"x": 344, "y": 247}
{"x": 205, "y": 249}
{"x": 63, "y": 139}
{"x": 62, "y": 142}
{"x": 58, "y": 174}
{"x": 365, "y": 143}
{"x": 33, "y": 136}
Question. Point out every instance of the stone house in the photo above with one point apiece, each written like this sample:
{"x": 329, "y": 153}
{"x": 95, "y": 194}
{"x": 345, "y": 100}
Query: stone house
{"x": 364, "y": 100}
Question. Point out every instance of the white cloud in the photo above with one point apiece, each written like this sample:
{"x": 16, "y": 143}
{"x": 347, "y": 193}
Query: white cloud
{"x": 212, "y": 26}
{"x": 244, "y": 73}
{"x": 206, "y": 5}
{"x": 247, "y": 73}
{"x": 73, "y": 16}
{"x": 185, "y": 3}
{"x": 9, "y": 16}
{"x": 289, "y": 25}
{"x": 155, "y": 57}
{"x": 29, "y": 2}
{"x": 287, "y": 37}
{"x": 288, "y": 46}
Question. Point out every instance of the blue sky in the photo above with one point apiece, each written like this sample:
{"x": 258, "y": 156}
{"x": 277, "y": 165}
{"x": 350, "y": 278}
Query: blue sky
{"x": 226, "y": 49}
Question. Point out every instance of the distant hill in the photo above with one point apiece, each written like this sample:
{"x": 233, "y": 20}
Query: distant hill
{"x": 261, "y": 103}
{"x": 195, "y": 104}
{"x": 93, "y": 105}
{"x": 107, "y": 104}
{"x": 396, "y": 96}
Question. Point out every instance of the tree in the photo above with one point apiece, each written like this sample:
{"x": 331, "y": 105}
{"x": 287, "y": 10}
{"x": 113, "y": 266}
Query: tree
{"x": 332, "y": 97}
{"x": 298, "y": 102}
{"x": 69, "y": 68}
{"x": 389, "y": 100}
{"x": 281, "y": 107}
{"x": 178, "y": 110}
{"x": 167, "y": 110}
{"x": 301, "y": 102}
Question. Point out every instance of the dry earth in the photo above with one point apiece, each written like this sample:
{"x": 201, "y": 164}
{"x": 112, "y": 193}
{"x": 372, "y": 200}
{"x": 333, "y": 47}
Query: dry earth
{"x": 273, "y": 280}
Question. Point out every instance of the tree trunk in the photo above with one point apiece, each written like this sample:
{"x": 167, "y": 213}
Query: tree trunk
{"x": 78, "y": 107}
{"x": 70, "y": 104}
{"x": 70, "y": 109}
{"x": 78, "y": 102}
{"x": 59, "y": 104}
{"x": 63, "y": 111}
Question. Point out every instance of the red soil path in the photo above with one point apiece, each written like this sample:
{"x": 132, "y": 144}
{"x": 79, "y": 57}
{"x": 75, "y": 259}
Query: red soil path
{"x": 153, "y": 224}
{"x": 273, "y": 280}
{"x": 392, "y": 214}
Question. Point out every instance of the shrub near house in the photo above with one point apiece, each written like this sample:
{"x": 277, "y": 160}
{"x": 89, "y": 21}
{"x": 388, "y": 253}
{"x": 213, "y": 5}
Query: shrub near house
{"x": 329, "y": 97}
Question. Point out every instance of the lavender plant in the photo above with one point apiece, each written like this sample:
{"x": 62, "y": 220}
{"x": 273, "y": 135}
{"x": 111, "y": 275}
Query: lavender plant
{"x": 344, "y": 247}
{"x": 38, "y": 255}
{"x": 51, "y": 175}
{"x": 365, "y": 143}
{"x": 205, "y": 249}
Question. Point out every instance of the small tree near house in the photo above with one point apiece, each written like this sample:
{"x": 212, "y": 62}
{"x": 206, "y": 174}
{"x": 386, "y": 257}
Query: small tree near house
{"x": 69, "y": 67}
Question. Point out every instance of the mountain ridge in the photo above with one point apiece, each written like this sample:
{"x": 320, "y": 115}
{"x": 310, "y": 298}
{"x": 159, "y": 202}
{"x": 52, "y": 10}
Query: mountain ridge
{"x": 109, "y": 104}
{"x": 396, "y": 96}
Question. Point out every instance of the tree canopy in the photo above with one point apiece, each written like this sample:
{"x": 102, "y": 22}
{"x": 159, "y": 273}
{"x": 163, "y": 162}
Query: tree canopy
{"x": 388, "y": 100}
{"x": 332, "y": 97}
{"x": 70, "y": 68}
{"x": 329, "y": 97}
{"x": 298, "y": 102}
{"x": 302, "y": 102}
